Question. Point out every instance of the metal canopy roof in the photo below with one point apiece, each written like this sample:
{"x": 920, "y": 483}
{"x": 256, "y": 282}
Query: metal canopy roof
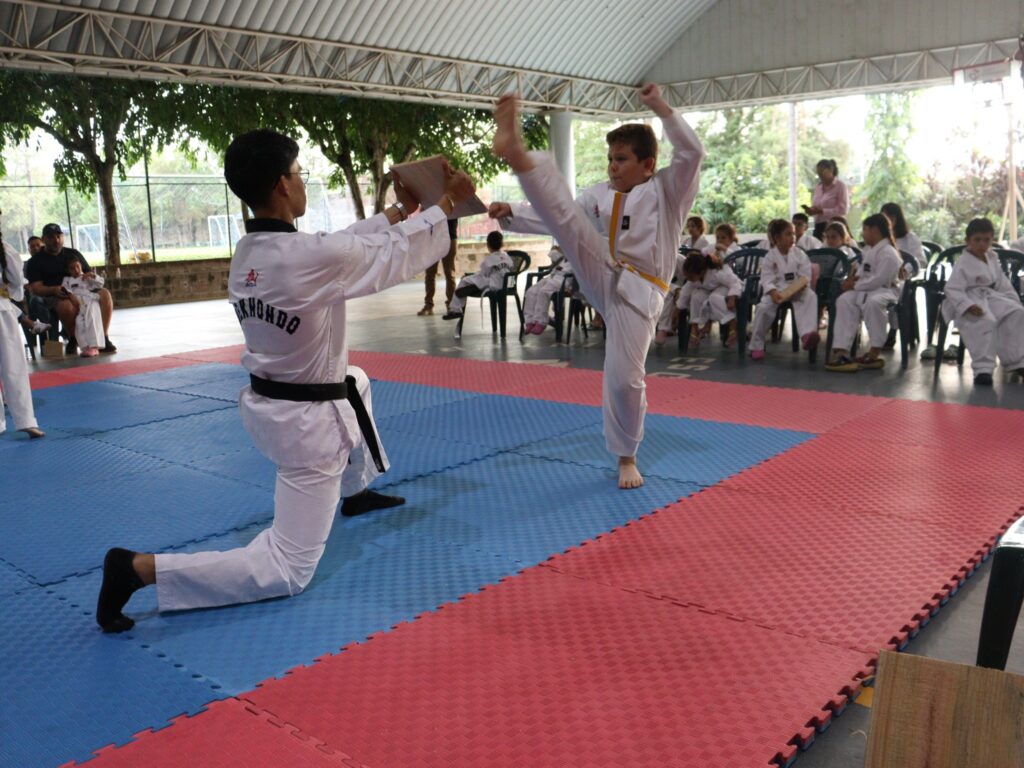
{"x": 585, "y": 56}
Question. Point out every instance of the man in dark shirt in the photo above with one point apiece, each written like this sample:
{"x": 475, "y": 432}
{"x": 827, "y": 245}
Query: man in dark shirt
{"x": 45, "y": 272}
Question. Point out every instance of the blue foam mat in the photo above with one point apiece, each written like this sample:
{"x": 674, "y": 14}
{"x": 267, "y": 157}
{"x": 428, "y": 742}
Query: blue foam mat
{"x": 184, "y": 376}
{"x": 12, "y": 580}
{"x": 416, "y": 455}
{"x": 688, "y": 450}
{"x": 370, "y": 578}
{"x": 495, "y": 421}
{"x": 69, "y": 689}
{"x": 188, "y": 439}
{"x": 76, "y": 414}
{"x": 147, "y": 512}
{"x": 394, "y": 398}
{"x": 524, "y": 508}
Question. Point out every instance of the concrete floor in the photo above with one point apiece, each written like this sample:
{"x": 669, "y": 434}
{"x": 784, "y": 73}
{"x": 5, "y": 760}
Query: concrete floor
{"x": 388, "y": 323}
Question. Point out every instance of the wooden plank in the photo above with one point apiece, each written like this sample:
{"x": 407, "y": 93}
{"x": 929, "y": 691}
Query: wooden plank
{"x": 934, "y": 714}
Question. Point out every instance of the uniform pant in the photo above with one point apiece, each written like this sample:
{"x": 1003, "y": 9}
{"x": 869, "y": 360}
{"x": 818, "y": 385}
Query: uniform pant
{"x": 14, "y": 373}
{"x": 1000, "y": 331}
{"x": 805, "y": 309}
{"x": 471, "y": 285}
{"x": 710, "y": 305}
{"x": 668, "y": 310}
{"x": 629, "y": 333}
{"x": 281, "y": 559}
{"x": 538, "y": 299}
{"x": 870, "y": 306}
{"x": 89, "y": 324}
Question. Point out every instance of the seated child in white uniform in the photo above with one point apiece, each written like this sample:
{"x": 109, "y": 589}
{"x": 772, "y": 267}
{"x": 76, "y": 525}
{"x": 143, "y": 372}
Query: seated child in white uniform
{"x": 867, "y": 295}
{"x": 490, "y": 277}
{"x": 538, "y": 298}
{"x": 837, "y": 237}
{"x": 805, "y": 241}
{"x": 710, "y": 294}
{"x": 983, "y": 303}
{"x": 725, "y": 243}
{"x": 89, "y": 323}
{"x": 782, "y": 266}
{"x": 695, "y": 237}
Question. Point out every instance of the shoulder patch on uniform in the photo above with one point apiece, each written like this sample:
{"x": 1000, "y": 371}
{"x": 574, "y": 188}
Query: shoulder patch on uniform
{"x": 251, "y": 278}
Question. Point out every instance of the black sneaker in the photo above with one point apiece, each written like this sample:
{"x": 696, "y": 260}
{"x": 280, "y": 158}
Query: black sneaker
{"x": 108, "y": 347}
{"x": 71, "y": 348}
{"x": 983, "y": 380}
{"x": 451, "y": 315}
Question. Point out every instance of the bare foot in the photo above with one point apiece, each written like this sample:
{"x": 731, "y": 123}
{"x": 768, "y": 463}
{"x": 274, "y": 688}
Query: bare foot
{"x": 508, "y": 140}
{"x": 629, "y": 475}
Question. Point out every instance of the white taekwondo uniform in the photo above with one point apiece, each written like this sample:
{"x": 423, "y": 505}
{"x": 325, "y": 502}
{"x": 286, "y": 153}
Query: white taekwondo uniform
{"x": 13, "y": 368}
{"x": 622, "y": 249}
{"x": 668, "y": 309}
{"x": 537, "y": 300}
{"x": 808, "y": 242}
{"x": 706, "y": 300}
{"x": 89, "y": 323}
{"x": 289, "y": 290}
{"x": 1000, "y": 331}
{"x": 778, "y": 270}
{"x": 911, "y": 243}
{"x": 490, "y": 277}
{"x": 876, "y": 289}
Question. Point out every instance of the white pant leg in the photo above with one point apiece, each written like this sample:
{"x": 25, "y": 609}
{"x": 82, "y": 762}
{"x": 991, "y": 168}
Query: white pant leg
{"x": 876, "y": 317}
{"x": 1009, "y": 332}
{"x": 699, "y": 306}
{"x": 586, "y": 250}
{"x": 805, "y": 310}
{"x": 538, "y": 299}
{"x": 89, "y": 324}
{"x": 717, "y": 309}
{"x": 979, "y": 335}
{"x": 458, "y": 303}
{"x": 668, "y": 310}
{"x": 624, "y": 389}
{"x": 848, "y": 315}
{"x": 764, "y": 316}
{"x": 360, "y": 470}
{"x": 280, "y": 561}
{"x": 14, "y": 373}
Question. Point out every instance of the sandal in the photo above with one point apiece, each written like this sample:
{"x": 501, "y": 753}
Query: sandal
{"x": 870, "y": 363}
{"x": 730, "y": 340}
{"x": 843, "y": 364}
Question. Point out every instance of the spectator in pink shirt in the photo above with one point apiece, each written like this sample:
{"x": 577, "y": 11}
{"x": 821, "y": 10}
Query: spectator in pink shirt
{"x": 831, "y": 197}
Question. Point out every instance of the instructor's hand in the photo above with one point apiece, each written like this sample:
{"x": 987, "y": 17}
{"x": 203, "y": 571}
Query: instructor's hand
{"x": 499, "y": 210}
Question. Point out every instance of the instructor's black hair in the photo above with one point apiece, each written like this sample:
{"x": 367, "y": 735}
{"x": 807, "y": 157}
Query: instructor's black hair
{"x": 255, "y": 161}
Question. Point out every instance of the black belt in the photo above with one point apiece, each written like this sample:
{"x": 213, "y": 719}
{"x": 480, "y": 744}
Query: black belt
{"x": 315, "y": 393}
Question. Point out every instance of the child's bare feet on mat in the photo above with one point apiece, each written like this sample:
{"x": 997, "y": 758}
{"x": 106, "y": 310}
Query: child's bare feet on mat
{"x": 508, "y": 140}
{"x": 629, "y": 475}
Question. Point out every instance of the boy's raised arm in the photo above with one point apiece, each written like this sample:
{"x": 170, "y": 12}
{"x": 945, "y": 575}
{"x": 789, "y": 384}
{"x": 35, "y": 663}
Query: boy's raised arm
{"x": 682, "y": 176}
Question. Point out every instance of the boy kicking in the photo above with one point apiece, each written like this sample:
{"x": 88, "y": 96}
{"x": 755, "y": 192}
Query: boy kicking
{"x": 620, "y": 237}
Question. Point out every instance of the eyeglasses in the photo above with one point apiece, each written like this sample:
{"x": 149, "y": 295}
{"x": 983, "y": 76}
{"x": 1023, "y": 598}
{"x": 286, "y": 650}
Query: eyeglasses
{"x": 303, "y": 174}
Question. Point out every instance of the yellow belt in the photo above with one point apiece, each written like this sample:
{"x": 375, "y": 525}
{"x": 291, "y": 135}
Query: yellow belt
{"x": 613, "y": 236}
{"x": 4, "y": 293}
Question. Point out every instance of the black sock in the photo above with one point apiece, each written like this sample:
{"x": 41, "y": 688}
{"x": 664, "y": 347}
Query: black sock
{"x": 119, "y": 582}
{"x": 367, "y": 501}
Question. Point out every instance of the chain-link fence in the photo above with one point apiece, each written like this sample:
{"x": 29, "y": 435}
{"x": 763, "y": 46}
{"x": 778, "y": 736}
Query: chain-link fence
{"x": 175, "y": 218}
{"x": 170, "y": 219}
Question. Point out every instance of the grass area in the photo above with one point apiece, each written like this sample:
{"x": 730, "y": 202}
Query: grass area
{"x": 183, "y": 254}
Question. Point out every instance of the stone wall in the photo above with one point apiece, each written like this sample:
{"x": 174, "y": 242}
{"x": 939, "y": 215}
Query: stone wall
{"x": 170, "y": 282}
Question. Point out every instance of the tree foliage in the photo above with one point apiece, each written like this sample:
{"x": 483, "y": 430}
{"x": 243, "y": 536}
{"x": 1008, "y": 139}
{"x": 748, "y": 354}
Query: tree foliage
{"x": 103, "y": 127}
{"x": 892, "y": 176}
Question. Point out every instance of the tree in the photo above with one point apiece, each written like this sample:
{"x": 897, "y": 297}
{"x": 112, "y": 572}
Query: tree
{"x": 892, "y": 176}
{"x": 103, "y": 126}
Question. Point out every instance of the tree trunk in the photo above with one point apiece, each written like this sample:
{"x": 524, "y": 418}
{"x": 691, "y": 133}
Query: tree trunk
{"x": 111, "y": 232}
{"x": 345, "y": 163}
{"x": 381, "y": 182}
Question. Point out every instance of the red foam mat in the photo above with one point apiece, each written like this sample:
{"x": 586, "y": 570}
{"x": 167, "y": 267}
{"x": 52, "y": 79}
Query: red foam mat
{"x": 101, "y": 371}
{"x": 799, "y": 409}
{"x": 939, "y": 424}
{"x": 832, "y": 571}
{"x": 958, "y": 486}
{"x": 230, "y": 354}
{"x": 230, "y": 734}
{"x": 547, "y": 670}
